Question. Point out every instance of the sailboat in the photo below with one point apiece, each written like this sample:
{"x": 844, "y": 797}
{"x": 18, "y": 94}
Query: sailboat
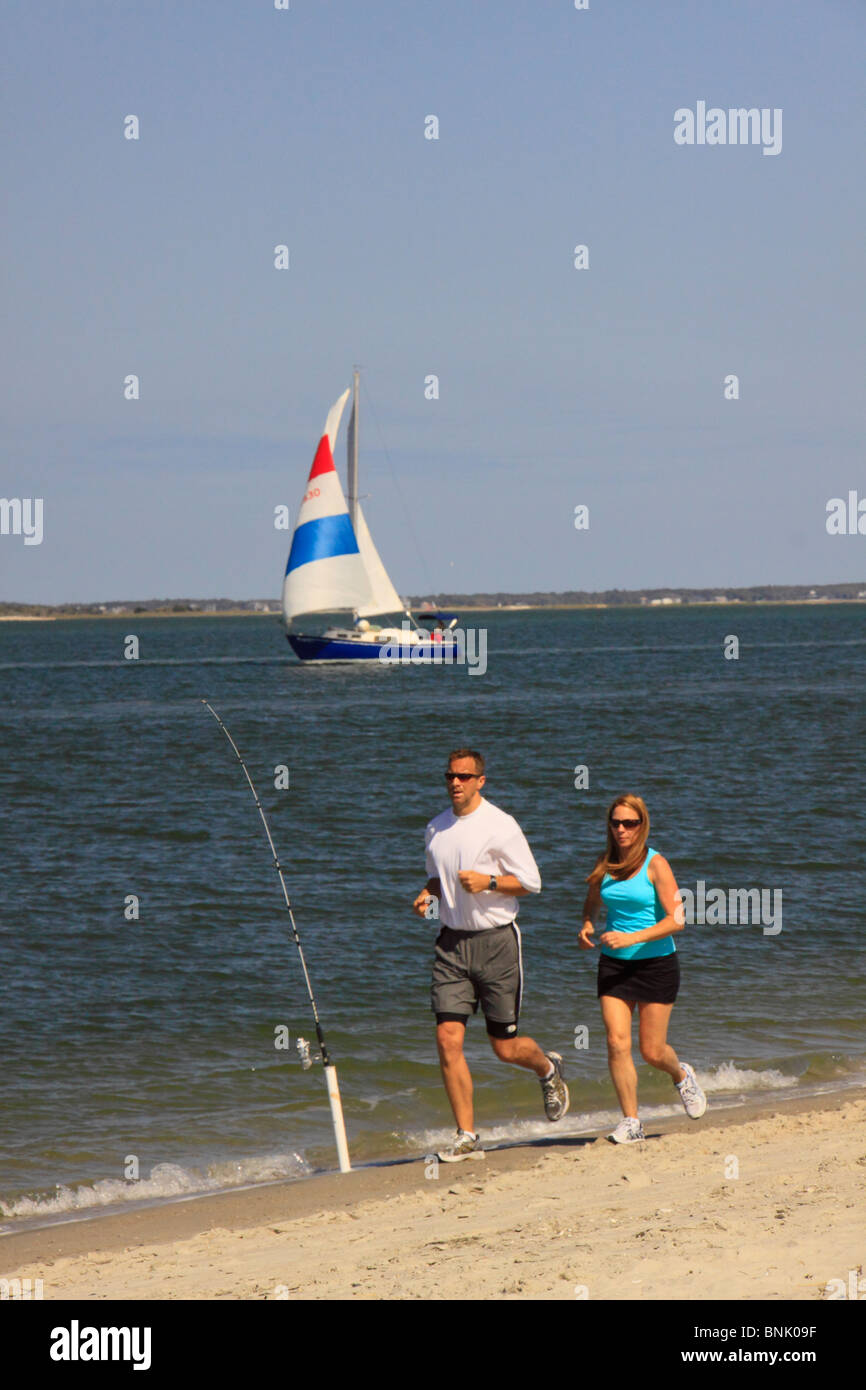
{"x": 334, "y": 566}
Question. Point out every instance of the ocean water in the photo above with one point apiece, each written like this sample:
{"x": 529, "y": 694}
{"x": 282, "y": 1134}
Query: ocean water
{"x": 139, "y": 1057}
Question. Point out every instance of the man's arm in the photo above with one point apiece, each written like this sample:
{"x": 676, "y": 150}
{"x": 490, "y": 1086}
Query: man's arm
{"x": 432, "y": 887}
{"x": 475, "y": 882}
{"x": 520, "y": 875}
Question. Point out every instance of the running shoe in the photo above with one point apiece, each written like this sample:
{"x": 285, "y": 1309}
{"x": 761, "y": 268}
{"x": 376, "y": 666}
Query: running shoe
{"x": 465, "y": 1145}
{"x": 554, "y": 1090}
{"x": 691, "y": 1095}
{"x": 628, "y": 1131}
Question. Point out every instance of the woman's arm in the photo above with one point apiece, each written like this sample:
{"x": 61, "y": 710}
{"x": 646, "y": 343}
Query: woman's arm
{"x": 591, "y": 905}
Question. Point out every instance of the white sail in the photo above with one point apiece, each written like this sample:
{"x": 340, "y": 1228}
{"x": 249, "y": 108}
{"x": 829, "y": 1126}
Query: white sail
{"x": 383, "y": 596}
{"x": 325, "y": 571}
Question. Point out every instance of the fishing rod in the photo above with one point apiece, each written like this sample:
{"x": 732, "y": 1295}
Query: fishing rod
{"x": 330, "y": 1069}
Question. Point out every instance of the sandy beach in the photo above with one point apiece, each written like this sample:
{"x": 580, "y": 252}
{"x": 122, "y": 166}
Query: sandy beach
{"x": 744, "y": 1204}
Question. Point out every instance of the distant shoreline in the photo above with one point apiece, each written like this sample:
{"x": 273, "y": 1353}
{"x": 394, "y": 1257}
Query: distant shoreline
{"x": 464, "y": 608}
{"x": 428, "y": 605}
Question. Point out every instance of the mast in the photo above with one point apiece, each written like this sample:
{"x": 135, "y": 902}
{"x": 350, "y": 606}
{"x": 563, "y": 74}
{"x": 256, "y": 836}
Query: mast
{"x": 356, "y": 516}
{"x": 352, "y": 454}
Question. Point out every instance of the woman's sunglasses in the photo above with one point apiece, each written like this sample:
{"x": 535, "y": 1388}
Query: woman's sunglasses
{"x": 624, "y": 824}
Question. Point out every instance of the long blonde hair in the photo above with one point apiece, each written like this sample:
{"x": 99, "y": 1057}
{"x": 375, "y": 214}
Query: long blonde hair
{"x": 609, "y": 862}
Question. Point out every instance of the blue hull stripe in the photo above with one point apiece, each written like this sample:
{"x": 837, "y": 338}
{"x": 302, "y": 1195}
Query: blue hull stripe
{"x": 332, "y": 649}
{"x": 321, "y": 539}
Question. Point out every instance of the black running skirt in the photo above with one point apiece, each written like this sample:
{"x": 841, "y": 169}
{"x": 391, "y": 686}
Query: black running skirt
{"x": 652, "y": 981}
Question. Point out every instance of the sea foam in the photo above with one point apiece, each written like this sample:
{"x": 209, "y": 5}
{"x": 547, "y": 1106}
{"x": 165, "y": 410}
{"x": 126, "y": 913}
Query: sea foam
{"x": 166, "y": 1180}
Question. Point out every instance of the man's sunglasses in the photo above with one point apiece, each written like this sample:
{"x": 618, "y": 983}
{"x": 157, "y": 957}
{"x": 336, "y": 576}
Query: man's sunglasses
{"x": 460, "y": 776}
{"x": 625, "y": 824}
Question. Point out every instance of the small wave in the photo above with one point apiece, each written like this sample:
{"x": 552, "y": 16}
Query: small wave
{"x": 166, "y": 1180}
{"x": 729, "y": 1077}
{"x": 528, "y": 1131}
{"x": 836, "y": 1066}
{"x": 726, "y": 1078}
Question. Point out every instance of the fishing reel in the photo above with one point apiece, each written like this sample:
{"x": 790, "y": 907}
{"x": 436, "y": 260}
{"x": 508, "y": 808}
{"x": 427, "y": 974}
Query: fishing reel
{"x": 307, "y": 1059}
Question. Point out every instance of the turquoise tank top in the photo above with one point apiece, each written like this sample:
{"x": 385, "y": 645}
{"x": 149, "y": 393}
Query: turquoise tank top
{"x": 633, "y": 905}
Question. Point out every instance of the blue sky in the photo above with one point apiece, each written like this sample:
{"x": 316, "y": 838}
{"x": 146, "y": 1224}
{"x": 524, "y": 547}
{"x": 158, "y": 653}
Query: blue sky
{"x": 412, "y": 256}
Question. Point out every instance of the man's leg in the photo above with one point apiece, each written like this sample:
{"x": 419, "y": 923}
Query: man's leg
{"x": 525, "y": 1052}
{"x": 498, "y": 962}
{"x": 452, "y": 997}
{"x": 522, "y": 1052}
{"x": 498, "y": 973}
{"x": 455, "y": 1071}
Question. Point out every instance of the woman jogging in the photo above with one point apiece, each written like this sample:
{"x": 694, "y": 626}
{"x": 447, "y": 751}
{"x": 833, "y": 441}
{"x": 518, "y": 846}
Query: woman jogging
{"x": 638, "y": 962}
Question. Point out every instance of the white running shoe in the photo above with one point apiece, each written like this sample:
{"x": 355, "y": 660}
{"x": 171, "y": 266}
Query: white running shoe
{"x": 554, "y": 1089}
{"x": 465, "y": 1145}
{"x": 691, "y": 1095}
{"x": 628, "y": 1131}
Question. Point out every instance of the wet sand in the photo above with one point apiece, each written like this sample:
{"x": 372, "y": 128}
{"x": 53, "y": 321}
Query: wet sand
{"x": 760, "y": 1201}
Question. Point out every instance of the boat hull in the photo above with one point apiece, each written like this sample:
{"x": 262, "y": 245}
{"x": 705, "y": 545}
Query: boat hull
{"x": 308, "y": 648}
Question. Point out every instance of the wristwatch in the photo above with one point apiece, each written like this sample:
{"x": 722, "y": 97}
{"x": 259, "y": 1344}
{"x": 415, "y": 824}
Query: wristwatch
{"x": 491, "y": 887}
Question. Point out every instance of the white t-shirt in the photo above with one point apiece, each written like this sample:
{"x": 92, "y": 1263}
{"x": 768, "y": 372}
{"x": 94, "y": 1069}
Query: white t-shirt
{"x": 487, "y": 840}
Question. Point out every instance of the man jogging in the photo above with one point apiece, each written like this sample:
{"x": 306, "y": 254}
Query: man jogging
{"x": 479, "y": 865}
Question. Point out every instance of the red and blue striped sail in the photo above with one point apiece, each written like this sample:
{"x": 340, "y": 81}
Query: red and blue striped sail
{"x": 325, "y": 572}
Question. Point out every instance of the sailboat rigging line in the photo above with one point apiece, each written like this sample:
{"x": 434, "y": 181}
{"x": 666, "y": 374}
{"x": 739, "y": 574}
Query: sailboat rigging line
{"x": 414, "y": 534}
{"x": 279, "y": 868}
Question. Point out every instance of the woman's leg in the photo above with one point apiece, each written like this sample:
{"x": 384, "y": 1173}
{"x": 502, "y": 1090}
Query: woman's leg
{"x": 654, "y": 1046}
{"x": 617, "y": 1015}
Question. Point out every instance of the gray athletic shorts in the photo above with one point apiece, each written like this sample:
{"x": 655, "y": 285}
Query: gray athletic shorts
{"x": 479, "y": 967}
